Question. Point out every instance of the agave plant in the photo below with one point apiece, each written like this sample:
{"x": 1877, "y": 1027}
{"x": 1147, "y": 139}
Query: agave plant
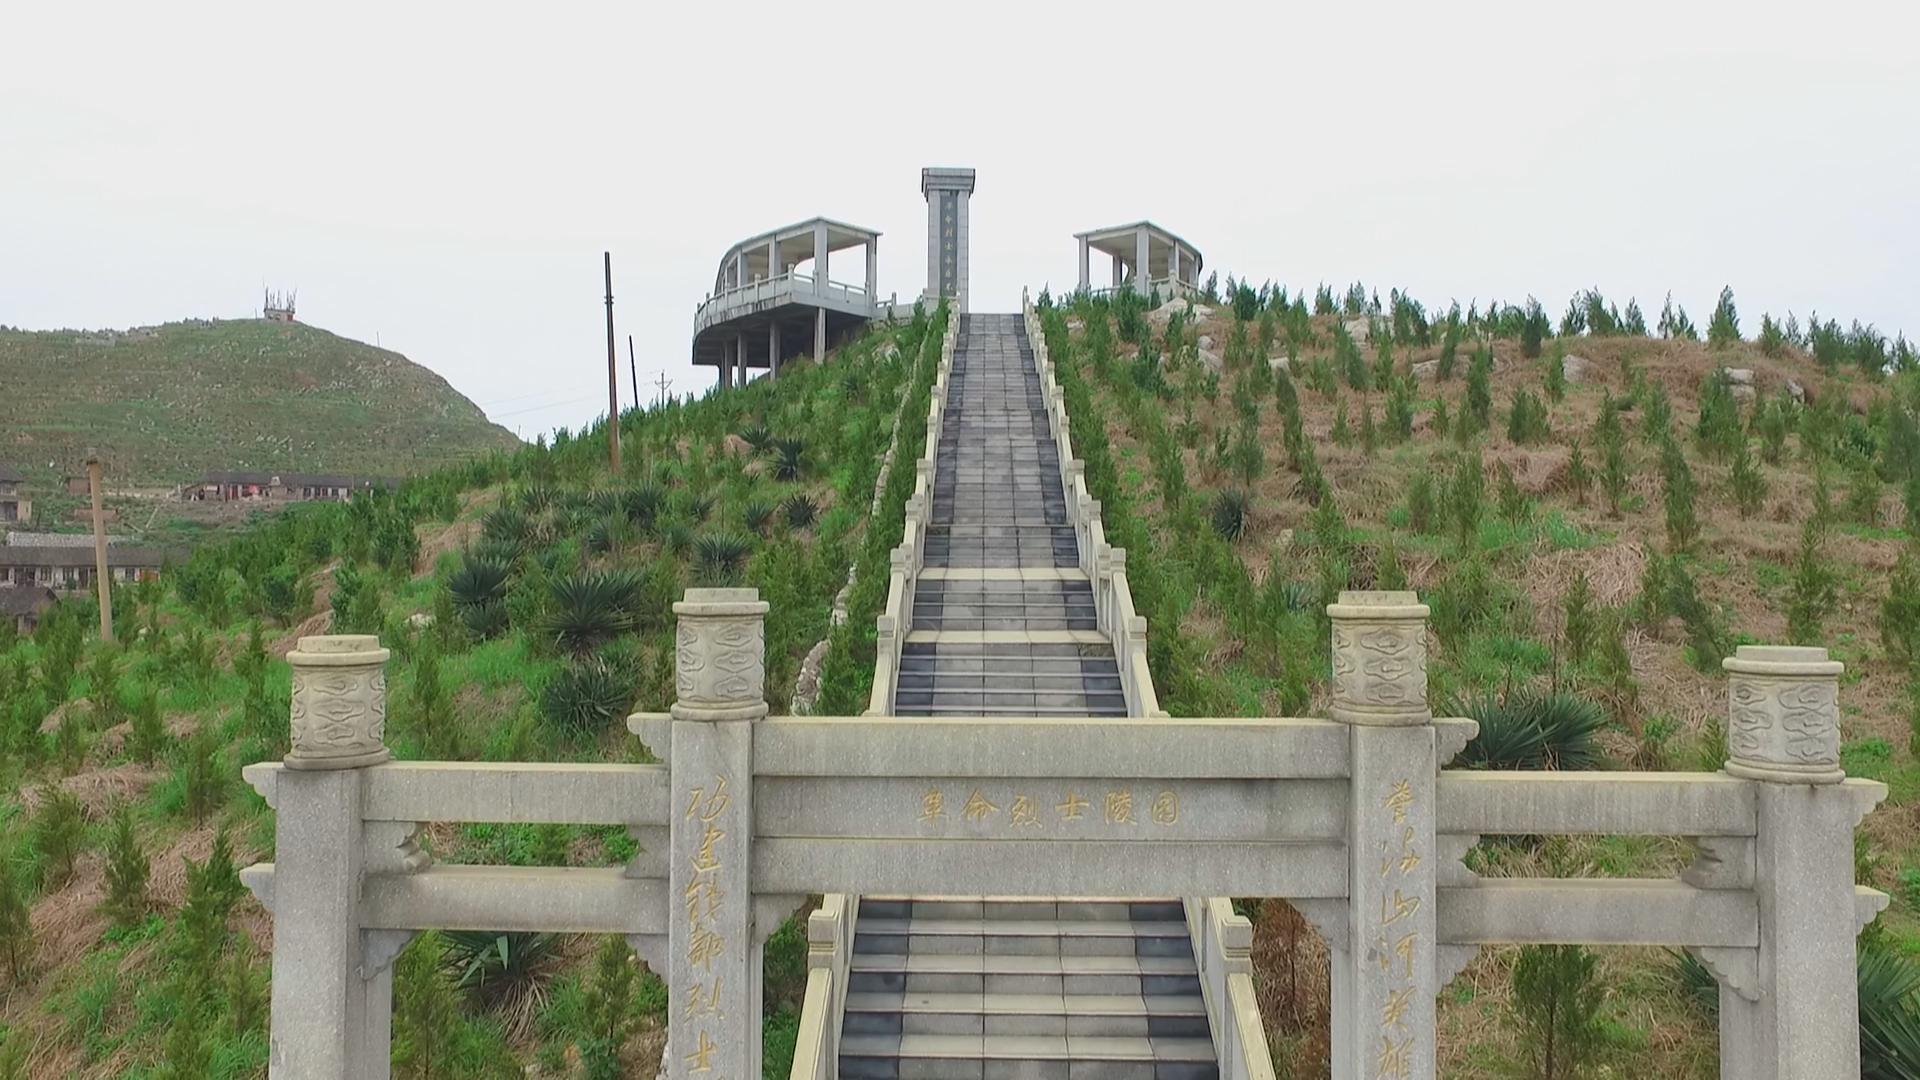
{"x": 479, "y": 579}
{"x": 756, "y": 436}
{"x": 1230, "y": 511}
{"x": 802, "y": 511}
{"x": 758, "y": 514}
{"x": 722, "y": 556}
{"x": 677, "y": 536}
{"x": 488, "y": 620}
{"x": 506, "y": 971}
{"x": 612, "y": 533}
{"x": 1889, "y": 990}
{"x": 789, "y": 458}
{"x": 587, "y": 697}
{"x": 591, "y": 608}
{"x": 1531, "y": 730}
{"x": 535, "y": 498}
{"x": 642, "y": 504}
{"x": 507, "y": 524}
{"x": 699, "y": 505}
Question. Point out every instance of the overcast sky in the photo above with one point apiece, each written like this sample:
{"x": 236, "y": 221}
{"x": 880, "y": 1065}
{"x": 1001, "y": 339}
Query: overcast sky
{"x": 444, "y": 177}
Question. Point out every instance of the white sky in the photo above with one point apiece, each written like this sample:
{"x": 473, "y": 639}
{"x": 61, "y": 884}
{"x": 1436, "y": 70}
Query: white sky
{"x": 444, "y": 177}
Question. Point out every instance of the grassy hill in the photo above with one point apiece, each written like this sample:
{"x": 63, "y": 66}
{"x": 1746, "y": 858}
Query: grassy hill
{"x": 1596, "y": 513}
{"x": 166, "y": 403}
{"x": 549, "y": 581}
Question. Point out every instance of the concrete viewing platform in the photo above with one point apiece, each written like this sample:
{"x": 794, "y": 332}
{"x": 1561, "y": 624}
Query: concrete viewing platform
{"x": 764, "y": 311}
{"x": 1145, "y": 257}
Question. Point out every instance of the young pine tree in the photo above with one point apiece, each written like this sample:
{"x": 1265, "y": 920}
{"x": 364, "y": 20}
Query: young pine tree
{"x": 147, "y": 735}
{"x": 1479, "y": 392}
{"x": 13, "y": 1055}
{"x": 1420, "y": 503}
{"x": 1369, "y": 438}
{"x": 1557, "y": 1001}
{"x": 1556, "y": 378}
{"x": 1579, "y": 477}
{"x": 1724, "y": 328}
{"x": 16, "y": 922}
{"x": 1342, "y": 432}
{"x": 203, "y": 781}
{"x": 127, "y": 901}
{"x": 189, "y": 1053}
{"x": 1746, "y": 482}
{"x": 425, "y": 1011}
{"x": 1813, "y": 588}
{"x": 1683, "y": 522}
{"x": 1515, "y": 507}
{"x": 58, "y": 834}
{"x": 1577, "y": 619}
{"x": 609, "y": 1010}
{"x": 1900, "y": 611}
{"x": 1466, "y": 497}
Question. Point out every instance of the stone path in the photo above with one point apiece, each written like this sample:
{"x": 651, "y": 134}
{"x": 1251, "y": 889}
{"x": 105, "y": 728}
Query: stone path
{"x": 1003, "y": 623}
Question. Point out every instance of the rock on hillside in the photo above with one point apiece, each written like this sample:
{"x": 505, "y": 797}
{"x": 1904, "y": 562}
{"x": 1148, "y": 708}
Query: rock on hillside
{"x": 165, "y": 403}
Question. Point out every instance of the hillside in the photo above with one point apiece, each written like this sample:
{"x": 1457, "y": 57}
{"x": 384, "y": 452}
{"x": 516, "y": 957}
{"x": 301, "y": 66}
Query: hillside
{"x": 1256, "y": 457}
{"x": 527, "y": 599}
{"x": 165, "y": 403}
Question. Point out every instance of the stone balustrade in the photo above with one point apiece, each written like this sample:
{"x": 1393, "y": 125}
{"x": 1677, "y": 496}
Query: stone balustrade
{"x": 1353, "y": 820}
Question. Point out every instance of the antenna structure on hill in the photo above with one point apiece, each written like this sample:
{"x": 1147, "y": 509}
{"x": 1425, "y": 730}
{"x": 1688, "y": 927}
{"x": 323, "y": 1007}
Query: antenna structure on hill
{"x": 663, "y": 383}
{"x": 277, "y": 306}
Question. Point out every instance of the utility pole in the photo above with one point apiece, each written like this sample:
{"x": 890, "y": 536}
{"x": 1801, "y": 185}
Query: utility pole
{"x": 633, "y": 372}
{"x": 663, "y": 383}
{"x": 102, "y": 582}
{"x": 613, "y": 373}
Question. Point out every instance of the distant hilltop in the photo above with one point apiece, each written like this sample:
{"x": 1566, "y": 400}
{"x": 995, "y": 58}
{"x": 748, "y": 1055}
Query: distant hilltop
{"x": 169, "y": 403}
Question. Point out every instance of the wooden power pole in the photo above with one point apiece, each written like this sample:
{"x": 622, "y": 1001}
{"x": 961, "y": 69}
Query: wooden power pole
{"x": 633, "y": 372}
{"x": 613, "y": 374}
{"x": 101, "y": 581}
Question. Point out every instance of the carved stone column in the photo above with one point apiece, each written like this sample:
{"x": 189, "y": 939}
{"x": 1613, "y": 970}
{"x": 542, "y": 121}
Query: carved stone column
{"x": 713, "y": 954}
{"x": 339, "y": 702}
{"x": 1783, "y": 714}
{"x": 1798, "y": 1019}
{"x": 1385, "y": 964}
{"x": 331, "y": 1008}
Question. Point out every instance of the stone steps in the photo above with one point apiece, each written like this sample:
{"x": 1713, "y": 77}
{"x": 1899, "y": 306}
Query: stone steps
{"x": 1004, "y": 624}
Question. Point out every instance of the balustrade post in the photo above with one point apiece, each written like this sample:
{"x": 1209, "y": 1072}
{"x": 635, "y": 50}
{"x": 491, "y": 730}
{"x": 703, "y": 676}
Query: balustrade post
{"x": 331, "y": 1015}
{"x": 1385, "y": 971}
{"x": 714, "y": 964}
{"x": 1799, "y": 1020}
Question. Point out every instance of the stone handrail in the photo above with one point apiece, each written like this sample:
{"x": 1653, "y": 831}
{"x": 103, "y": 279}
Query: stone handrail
{"x": 896, "y": 617}
{"x": 1104, "y": 564}
{"x": 1352, "y": 818}
{"x": 1220, "y": 938}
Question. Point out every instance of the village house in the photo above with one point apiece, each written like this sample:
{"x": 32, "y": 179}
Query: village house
{"x": 24, "y": 606}
{"x": 14, "y": 506}
{"x": 281, "y": 487}
{"x": 70, "y": 567}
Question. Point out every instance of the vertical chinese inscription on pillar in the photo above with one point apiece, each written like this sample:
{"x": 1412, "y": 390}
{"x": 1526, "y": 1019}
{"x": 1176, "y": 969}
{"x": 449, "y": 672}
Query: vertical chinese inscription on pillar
{"x": 1396, "y": 946}
{"x": 949, "y": 243}
{"x": 706, "y": 937}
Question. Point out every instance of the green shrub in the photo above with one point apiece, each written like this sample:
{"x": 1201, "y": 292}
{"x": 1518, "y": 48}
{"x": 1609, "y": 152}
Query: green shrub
{"x": 202, "y": 779}
{"x": 1579, "y": 476}
{"x": 16, "y": 921}
{"x": 1683, "y": 523}
{"x": 1466, "y": 498}
{"x": 1515, "y": 507}
{"x": 425, "y": 1010}
{"x": 1900, "y": 611}
{"x": 1723, "y": 329}
{"x": 1531, "y": 730}
{"x": 1556, "y": 999}
{"x": 1746, "y": 482}
{"x": 1420, "y": 503}
{"x": 1578, "y": 619}
{"x": 609, "y": 1010}
{"x": 1479, "y": 393}
{"x": 147, "y": 733}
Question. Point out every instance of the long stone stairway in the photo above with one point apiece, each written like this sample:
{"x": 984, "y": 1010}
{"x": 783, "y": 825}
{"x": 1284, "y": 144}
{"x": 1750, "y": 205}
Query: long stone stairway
{"x": 1003, "y": 624}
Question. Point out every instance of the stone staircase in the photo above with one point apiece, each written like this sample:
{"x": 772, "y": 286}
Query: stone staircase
{"x": 1003, "y": 624}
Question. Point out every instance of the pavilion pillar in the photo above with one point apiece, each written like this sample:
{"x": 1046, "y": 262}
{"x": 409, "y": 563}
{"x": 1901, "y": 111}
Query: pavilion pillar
{"x": 820, "y": 256}
{"x": 1086, "y": 277}
{"x": 1385, "y": 965}
{"x": 739, "y": 268}
{"x": 740, "y": 355}
{"x": 1173, "y": 266}
{"x": 1140, "y": 275}
{"x": 773, "y": 258}
{"x": 712, "y": 959}
{"x": 773, "y": 350}
{"x": 873, "y": 269}
{"x": 1119, "y": 271}
{"x": 820, "y": 335}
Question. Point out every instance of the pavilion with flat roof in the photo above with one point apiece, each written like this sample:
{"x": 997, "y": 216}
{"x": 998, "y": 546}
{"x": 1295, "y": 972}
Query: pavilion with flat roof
{"x": 763, "y": 312}
{"x": 1145, "y": 257}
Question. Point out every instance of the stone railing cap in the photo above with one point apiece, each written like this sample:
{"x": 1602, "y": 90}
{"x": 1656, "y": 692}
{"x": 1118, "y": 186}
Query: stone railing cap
{"x": 721, "y": 602}
{"x": 1782, "y": 660}
{"x": 1377, "y": 604}
{"x": 338, "y": 650}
